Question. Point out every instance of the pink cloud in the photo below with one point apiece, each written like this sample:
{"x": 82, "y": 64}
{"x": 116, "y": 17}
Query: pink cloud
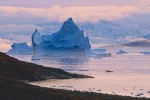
{"x": 4, "y": 45}
{"x": 79, "y": 13}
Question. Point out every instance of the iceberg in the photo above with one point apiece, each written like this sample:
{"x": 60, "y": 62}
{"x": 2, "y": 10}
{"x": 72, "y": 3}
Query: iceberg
{"x": 68, "y": 37}
{"x": 36, "y": 39}
{"x": 20, "y": 48}
{"x": 147, "y": 37}
{"x": 146, "y": 53}
{"x": 99, "y": 51}
{"x": 121, "y": 52}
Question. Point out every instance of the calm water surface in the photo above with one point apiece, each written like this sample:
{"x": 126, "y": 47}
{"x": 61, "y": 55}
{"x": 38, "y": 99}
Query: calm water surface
{"x": 130, "y": 76}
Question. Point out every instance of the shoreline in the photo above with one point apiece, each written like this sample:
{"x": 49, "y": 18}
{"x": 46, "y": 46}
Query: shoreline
{"x": 13, "y": 90}
{"x": 13, "y": 72}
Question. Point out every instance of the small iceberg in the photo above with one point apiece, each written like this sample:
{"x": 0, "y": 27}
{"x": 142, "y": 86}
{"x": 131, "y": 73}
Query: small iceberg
{"x": 146, "y": 53}
{"x": 100, "y": 53}
{"x": 121, "y": 52}
{"x": 20, "y": 48}
{"x": 35, "y": 58}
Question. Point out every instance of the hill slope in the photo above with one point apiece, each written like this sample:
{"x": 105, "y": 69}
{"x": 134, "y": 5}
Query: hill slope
{"x": 20, "y": 70}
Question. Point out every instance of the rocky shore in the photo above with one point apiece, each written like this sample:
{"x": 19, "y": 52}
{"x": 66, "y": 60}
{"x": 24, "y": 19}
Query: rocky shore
{"x": 20, "y": 70}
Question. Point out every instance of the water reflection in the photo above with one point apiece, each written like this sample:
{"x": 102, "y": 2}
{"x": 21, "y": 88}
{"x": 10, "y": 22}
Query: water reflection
{"x": 60, "y": 53}
{"x": 130, "y": 71}
{"x": 72, "y": 61}
{"x": 66, "y": 63}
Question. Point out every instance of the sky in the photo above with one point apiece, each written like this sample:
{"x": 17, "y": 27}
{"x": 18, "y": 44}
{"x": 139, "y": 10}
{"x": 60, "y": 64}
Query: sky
{"x": 47, "y": 3}
{"x": 42, "y": 11}
{"x": 22, "y": 16}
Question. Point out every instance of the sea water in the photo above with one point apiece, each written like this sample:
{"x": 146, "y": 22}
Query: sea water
{"x": 129, "y": 73}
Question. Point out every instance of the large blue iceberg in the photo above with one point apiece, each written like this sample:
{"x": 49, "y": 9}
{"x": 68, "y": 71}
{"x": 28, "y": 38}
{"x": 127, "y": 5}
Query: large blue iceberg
{"x": 68, "y": 37}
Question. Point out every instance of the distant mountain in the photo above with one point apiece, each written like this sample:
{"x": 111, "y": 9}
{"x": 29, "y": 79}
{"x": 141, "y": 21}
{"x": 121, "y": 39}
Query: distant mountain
{"x": 110, "y": 29}
{"x": 105, "y": 29}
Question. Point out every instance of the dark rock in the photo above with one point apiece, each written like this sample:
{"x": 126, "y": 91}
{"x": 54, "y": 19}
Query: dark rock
{"x": 20, "y": 70}
{"x": 108, "y": 71}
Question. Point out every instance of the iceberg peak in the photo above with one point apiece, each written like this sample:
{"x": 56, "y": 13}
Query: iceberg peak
{"x": 69, "y": 19}
{"x": 36, "y": 39}
{"x": 36, "y": 30}
{"x": 69, "y": 27}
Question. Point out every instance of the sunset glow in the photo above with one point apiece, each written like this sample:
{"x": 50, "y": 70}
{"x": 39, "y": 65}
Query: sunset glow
{"x": 83, "y": 11}
{"x": 75, "y": 49}
{"x": 5, "y": 45}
